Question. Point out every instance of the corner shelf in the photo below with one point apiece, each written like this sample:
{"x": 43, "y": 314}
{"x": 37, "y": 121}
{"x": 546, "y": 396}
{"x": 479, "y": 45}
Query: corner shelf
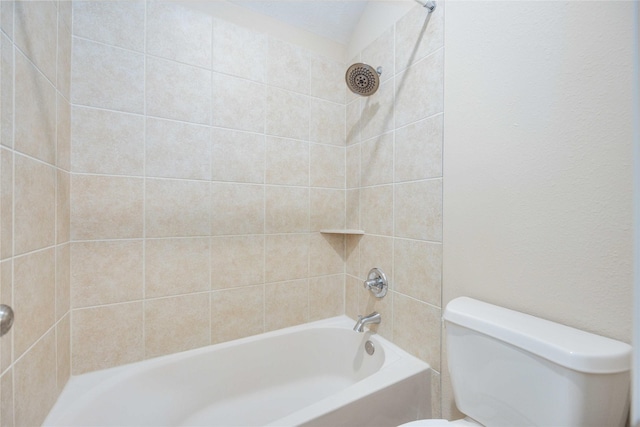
{"x": 343, "y": 231}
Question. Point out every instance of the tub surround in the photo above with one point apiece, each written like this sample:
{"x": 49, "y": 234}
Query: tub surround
{"x": 35, "y": 55}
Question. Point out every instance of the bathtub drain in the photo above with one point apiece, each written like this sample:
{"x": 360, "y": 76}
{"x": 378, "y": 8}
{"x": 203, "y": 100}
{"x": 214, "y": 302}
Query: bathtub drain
{"x": 369, "y": 347}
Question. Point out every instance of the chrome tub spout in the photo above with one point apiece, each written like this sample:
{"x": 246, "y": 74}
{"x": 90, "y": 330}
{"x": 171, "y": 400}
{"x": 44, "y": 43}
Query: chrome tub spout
{"x": 374, "y": 317}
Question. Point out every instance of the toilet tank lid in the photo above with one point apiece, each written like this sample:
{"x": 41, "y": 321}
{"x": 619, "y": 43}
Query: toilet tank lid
{"x": 566, "y": 346}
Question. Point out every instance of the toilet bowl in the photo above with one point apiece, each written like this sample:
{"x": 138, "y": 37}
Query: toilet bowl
{"x": 511, "y": 369}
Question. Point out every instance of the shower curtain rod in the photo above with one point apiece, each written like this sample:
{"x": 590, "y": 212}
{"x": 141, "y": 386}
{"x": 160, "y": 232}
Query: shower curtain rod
{"x": 429, "y": 4}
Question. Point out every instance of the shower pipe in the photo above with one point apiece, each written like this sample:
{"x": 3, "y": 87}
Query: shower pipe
{"x": 430, "y": 5}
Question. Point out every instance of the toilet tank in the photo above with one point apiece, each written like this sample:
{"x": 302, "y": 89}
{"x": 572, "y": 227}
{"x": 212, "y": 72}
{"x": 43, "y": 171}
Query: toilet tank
{"x": 512, "y": 369}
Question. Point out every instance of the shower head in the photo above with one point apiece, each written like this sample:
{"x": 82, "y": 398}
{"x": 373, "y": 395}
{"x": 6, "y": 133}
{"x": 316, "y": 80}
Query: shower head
{"x": 363, "y": 79}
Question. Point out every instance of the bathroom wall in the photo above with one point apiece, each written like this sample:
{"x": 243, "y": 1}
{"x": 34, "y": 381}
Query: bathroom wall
{"x": 538, "y": 196}
{"x": 35, "y": 48}
{"x": 206, "y": 157}
{"x": 394, "y": 185}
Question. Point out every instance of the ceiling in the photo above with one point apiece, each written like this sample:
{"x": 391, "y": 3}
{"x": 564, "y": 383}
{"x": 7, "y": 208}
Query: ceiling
{"x": 332, "y": 19}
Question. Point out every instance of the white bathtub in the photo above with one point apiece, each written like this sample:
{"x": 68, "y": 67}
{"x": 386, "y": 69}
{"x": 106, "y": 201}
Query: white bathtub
{"x": 317, "y": 374}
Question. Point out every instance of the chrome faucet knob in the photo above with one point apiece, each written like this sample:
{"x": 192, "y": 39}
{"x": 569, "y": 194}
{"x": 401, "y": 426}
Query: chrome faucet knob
{"x": 377, "y": 283}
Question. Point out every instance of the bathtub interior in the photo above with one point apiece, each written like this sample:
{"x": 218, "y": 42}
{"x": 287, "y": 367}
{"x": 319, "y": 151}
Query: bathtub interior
{"x": 253, "y": 381}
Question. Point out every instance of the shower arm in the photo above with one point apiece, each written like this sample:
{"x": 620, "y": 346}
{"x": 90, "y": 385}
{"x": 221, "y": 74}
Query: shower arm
{"x": 429, "y": 4}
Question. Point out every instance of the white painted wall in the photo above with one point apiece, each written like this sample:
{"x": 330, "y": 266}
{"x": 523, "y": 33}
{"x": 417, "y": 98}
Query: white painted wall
{"x": 538, "y": 174}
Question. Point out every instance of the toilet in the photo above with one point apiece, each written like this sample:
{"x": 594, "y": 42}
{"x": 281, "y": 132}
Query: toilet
{"x": 512, "y": 369}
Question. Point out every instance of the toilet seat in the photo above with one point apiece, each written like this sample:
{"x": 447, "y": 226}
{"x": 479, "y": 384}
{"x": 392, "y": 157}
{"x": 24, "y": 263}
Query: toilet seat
{"x": 441, "y": 423}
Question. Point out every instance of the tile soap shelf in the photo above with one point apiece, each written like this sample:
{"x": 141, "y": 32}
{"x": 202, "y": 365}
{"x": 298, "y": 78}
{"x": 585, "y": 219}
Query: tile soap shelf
{"x": 342, "y": 231}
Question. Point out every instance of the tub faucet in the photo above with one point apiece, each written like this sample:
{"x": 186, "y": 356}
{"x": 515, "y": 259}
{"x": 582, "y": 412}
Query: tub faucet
{"x": 374, "y": 317}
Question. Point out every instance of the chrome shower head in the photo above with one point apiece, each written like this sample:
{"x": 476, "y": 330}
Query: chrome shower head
{"x": 363, "y": 79}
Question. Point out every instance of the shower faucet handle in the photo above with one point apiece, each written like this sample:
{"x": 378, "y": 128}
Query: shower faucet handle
{"x": 377, "y": 283}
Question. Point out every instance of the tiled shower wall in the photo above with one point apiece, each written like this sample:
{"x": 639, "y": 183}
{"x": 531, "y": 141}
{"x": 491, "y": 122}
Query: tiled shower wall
{"x": 35, "y": 45}
{"x": 394, "y": 186}
{"x": 205, "y": 159}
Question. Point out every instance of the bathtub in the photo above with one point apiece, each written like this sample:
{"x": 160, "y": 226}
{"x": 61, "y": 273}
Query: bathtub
{"x": 317, "y": 374}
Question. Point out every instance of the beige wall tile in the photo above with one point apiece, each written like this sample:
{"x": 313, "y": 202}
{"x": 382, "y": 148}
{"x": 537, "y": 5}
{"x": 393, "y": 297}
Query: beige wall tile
{"x": 107, "y": 336}
{"x": 114, "y": 23}
{"x": 418, "y": 270}
{"x": 416, "y": 327}
{"x": 63, "y": 147}
{"x": 352, "y": 251}
{"x": 353, "y": 166}
{"x": 6, "y": 393}
{"x": 34, "y": 205}
{"x": 326, "y": 297}
{"x": 178, "y": 33}
{"x": 376, "y": 251}
{"x": 353, "y": 209}
{"x": 328, "y": 123}
{"x": 377, "y": 160}
{"x": 63, "y": 206}
{"x": 378, "y": 112}
{"x": 352, "y": 290}
{"x": 418, "y": 150}
{"x": 237, "y": 313}
{"x": 176, "y": 266}
{"x": 186, "y": 328}
{"x": 237, "y": 209}
{"x": 106, "y": 272}
{"x": 237, "y": 156}
{"x": 105, "y": 207}
{"x": 420, "y": 90}
{"x": 176, "y": 208}
{"x": 418, "y": 210}
{"x": 6, "y": 297}
{"x": 326, "y": 254}
{"x": 231, "y": 96}
{"x": 177, "y": 91}
{"x": 237, "y": 261}
{"x": 286, "y": 304}
{"x": 418, "y": 34}
{"x": 108, "y": 77}
{"x": 376, "y": 210}
{"x": 287, "y": 114}
{"x": 36, "y": 22}
{"x": 177, "y": 150}
{"x": 287, "y": 161}
{"x": 63, "y": 78}
{"x": 327, "y": 209}
{"x": 107, "y": 142}
{"x": 35, "y": 112}
{"x": 6, "y": 203}
{"x": 65, "y": 13}
{"x": 327, "y": 166}
{"x": 368, "y": 303}
{"x": 353, "y": 122}
{"x": 34, "y": 293}
{"x": 380, "y": 54}
{"x": 7, "y": 85}
{"x": 250, "y": 62}
{"x": 35, "y": 382}
{"x": 63, "y": 351}
{"x": 436, "y": 395}
{"x": 63, "y": 280}
{"x": 286, "y": 257}
{"x": 286, "y": 209}
{"x": 288, "y": 66}
{"x": 6, "y": 17}
{"x": 327, "y": 79}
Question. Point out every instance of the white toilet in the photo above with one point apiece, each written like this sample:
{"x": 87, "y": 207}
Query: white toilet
{"x": 511, "y": 369}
